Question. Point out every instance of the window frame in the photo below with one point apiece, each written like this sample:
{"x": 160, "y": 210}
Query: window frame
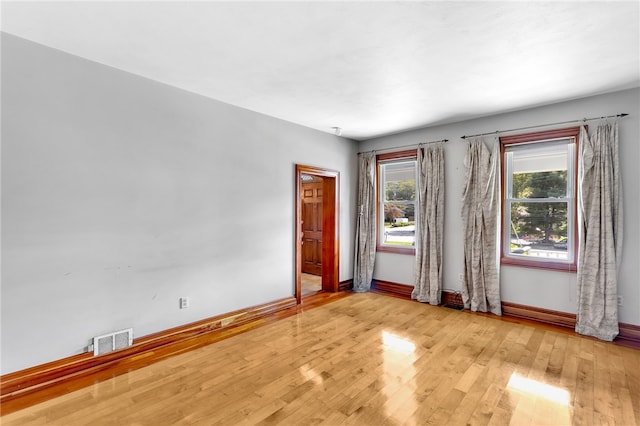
{"x": 411, "y": 154}
{"x": 538, "y": 137}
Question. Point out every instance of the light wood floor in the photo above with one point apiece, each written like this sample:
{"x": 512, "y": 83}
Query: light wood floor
{"x": 310, "y": 284}
{"x": 370, "y": 359}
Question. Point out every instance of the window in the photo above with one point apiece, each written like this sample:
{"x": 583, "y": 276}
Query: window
{"x": 397, "y": 202}
{"x": 539, "y": 199}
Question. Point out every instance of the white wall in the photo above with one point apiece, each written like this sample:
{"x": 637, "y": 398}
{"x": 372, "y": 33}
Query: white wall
{"x": 121, "y": 194}
{"x": 540, "y": 288}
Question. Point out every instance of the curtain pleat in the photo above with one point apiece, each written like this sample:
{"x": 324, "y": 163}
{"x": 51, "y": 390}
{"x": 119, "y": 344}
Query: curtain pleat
{"x": 601, "y": 238}
{"x": 365, "y": 241}
{"x": 430, "y": 224}
{"x": 480, "y": 209}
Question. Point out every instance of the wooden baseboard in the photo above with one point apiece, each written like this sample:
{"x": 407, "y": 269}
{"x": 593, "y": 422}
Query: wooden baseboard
{"x": 629, "y": 334}
{"x": 545, "y": 316}
{"x": 402, "y": 291}
{"x": 45, "y": 381}
{"x": 345, "y": 285}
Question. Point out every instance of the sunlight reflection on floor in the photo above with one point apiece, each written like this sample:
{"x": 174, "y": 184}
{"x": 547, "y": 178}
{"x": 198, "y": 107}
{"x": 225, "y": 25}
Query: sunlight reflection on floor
{"x": 310, "y": 374}
{"x": 540, "y": 403}
{"x": 398, "y": 358}
{"x": 397, "y": 343}
{"x": 552, "y": 393}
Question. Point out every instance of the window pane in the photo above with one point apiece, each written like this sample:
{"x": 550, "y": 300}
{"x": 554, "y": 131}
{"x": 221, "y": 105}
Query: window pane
{"x": 539, "y": 229}
{"x": 540, "y": 185}
{"x": 399, "y": 224}
{"x": 399, "y": 212}
{"x": 400, "y": 181}
{"x": 540, "y": 169}
{"x": 540, "y": 156}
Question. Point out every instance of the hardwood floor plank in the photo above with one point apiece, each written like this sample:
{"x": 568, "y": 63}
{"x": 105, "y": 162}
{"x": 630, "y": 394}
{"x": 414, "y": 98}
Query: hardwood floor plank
{"x": 583, "y": 402}
{"x": 469, "y": 378}
{"x": 368, "y": 359}
{"x": 602, "y": 392}
{"x": 569, "y": 374}
{"x": 622, "y": 403}
{"x": 632, "y": 371}
{"x": 553, "y": 372}
{"x": 484, "y": 411}
{"x": 446, "y": 408}
{"x": 499, "y": 417}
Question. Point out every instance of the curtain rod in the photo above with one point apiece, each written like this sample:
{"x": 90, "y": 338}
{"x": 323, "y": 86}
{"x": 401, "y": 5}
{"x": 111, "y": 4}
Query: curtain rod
{"x": 413, "y": 145}
{"x": 545, "y": 125}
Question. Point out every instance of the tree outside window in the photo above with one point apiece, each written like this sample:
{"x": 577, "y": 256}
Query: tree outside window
{"x": 543, "y": 222}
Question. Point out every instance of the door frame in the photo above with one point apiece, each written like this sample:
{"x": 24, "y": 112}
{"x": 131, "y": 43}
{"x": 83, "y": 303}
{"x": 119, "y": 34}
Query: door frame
{"x": 330, "y": 227}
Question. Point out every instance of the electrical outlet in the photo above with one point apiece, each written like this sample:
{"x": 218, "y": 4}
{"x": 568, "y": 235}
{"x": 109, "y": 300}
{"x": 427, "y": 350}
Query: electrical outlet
{"x": 620, "y": 301}
{"x": 184, "y": 302}
{"x": 460, "y": 277}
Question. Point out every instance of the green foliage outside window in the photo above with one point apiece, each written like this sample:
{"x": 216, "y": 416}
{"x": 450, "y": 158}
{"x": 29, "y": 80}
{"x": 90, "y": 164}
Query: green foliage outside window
{"x": 403, "y": 190}
{"x": 397, "y": 193}
{"x": 545, "y": 221}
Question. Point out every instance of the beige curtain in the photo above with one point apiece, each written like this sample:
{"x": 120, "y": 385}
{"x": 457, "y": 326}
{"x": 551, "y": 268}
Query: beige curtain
{"x": 430, "y": 224}
{"x": 480, "y": 210}
{"x": 365, "y": 241}
{"x": 601, "y": 240}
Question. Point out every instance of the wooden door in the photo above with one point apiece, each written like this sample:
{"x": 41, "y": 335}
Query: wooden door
{"x": 311, "y": 194}
{"x": 330, "y": 223}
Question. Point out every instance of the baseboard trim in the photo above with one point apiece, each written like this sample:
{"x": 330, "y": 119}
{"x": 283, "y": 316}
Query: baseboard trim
{"x": 144, "y": 351}
{"x": 346, "y": 285}
{"x": 545, "y": 316}
{"x": 629, "y": 334}
{"x": 402, "y": 291}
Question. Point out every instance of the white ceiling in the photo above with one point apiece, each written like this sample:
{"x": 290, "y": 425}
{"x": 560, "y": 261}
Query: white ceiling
{"x": 371, "y": 68}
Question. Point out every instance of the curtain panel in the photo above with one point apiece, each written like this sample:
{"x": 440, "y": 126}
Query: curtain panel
{"x": 601, "y": 235}
{"x": 430, "y": 224}
{"x": 365, "y": 241}
{"x": 480, "y": 215}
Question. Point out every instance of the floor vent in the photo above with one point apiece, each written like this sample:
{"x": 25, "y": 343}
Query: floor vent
{"x": 452, "y": 300}
{"x": 112, "y": 341}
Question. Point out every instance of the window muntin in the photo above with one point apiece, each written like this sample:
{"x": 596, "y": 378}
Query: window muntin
{"x": 396, "y": 206}
{"x": 539, "y": 201}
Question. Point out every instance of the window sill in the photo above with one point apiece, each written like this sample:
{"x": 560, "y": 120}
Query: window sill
{"x": 554, "y": 266}
{"x": 397, "y": 250}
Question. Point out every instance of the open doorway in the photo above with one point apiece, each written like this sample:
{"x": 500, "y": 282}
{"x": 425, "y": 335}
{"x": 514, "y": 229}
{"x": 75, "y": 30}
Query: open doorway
{"x": 311, "y": 236}
{"x": 317, "y": 243}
